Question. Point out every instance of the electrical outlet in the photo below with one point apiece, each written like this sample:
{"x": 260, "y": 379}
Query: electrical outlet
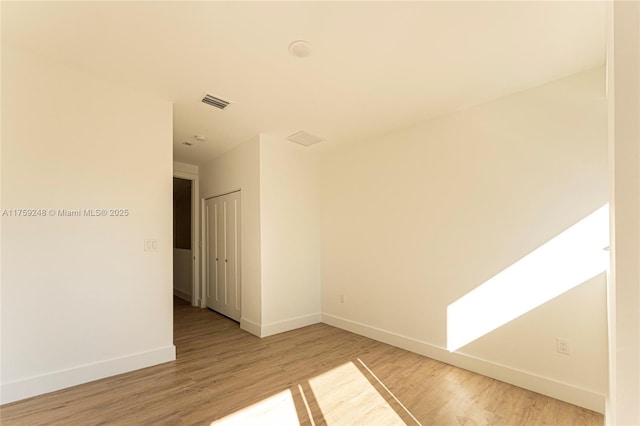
{"x": 562, "y": 346}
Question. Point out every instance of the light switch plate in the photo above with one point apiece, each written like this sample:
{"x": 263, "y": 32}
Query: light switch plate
{"x": 150, "y": 245}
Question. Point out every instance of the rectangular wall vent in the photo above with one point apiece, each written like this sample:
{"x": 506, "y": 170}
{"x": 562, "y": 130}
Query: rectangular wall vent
{"x": 304, "y": 138}
{"x": 216, "y": 102}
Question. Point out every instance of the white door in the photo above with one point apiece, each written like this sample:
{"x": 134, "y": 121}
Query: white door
{"x": 222, "y": 221}
{"x": 213, "y": 297}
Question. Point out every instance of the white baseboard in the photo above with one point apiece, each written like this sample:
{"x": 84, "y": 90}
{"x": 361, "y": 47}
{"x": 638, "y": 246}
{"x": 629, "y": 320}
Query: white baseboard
{"x": 289, "y": 324}
{"x": 182, "y": 295}
{"x": 530, "y": 381}
{"x": 250, "y": 327}
{"x": 46, "y": 383}
{"x": 278, "y": 326}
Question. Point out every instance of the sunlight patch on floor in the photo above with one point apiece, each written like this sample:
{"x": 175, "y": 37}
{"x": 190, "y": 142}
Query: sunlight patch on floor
{"x": 406, "y": 410}
{"x": 341, "y": 396}
{"x": 277, "y": 410}
{"x": 568, "y": 260}
{"x": 345, "y": 396}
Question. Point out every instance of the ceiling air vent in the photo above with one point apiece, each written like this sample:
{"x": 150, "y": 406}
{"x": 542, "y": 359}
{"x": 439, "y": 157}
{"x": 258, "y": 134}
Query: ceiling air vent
{"x": 216, "y": 102}
{"x": 304, "y": 138}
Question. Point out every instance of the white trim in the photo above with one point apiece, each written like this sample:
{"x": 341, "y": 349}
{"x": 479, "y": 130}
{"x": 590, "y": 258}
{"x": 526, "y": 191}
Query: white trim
{"x": 524, "y": 379}
{"x": 204, "y": 276}
{"x": 250, "y": 327}
{"x": 289, "y": 324}
{"x": 279, "y": 326}
{"x": 50, "y": 382}
{"x": 184, "y": 168}
{"x": 190, "y": 172}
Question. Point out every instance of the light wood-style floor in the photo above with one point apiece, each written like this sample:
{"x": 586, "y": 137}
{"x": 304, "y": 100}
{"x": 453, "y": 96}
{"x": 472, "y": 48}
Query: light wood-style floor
{"x": 316, "y": 375}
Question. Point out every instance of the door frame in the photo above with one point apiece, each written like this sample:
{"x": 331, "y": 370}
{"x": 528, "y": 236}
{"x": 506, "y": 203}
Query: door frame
{"x": 189, "y": 172}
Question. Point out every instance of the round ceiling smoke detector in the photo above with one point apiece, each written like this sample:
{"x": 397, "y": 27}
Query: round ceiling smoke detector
{"x": 300, "y": 48}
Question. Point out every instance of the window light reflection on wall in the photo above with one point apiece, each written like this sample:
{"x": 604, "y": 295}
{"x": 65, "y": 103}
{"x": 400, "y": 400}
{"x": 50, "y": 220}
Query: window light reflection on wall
{"x": 568, "y": 260}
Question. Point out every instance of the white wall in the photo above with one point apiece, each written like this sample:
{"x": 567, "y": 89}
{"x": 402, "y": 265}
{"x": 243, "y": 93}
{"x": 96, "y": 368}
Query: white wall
{"x": 280, "y": 230}
{"x": 623, "y": 67}
{"x": 415, "y": 219}
{"x": 290, "y": 235}
{"x": 239, "y": 169}
{"x": 81, "y": 299}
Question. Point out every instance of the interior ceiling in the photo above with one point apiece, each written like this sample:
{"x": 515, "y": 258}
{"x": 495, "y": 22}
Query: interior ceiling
{"x": 374, "y": 66}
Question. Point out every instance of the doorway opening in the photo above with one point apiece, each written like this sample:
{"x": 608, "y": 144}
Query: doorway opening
{"x": 186, "y": 240}
{"x": 182, "y": 241}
